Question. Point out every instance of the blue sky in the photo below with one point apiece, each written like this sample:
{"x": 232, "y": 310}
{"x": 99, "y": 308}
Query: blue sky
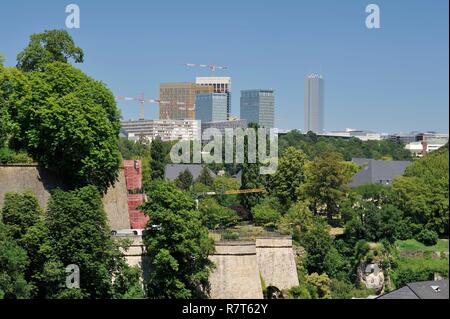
{"x": 388, "y": 80}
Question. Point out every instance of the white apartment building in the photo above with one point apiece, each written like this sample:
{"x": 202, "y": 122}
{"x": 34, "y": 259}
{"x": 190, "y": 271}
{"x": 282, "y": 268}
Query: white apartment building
{"x": 167, "y": 130}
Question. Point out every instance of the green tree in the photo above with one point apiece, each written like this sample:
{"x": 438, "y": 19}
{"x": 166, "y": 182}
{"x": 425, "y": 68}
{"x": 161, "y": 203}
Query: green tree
{"x": 205, "y": 177}
{"x": 50, "y": 46}
{"x": 289, "y": 177}
{"x": 215, "y": 216}
{"x": 326, "y": 183}
{"x": 78, "y": 234}
{"x": 267, "y": 212}
{"x": 317, "y": 243}
{"x": 20, "y": 212}
{"x": 422, "y": 193}
{"x": 13, "y": 264}
{"x": 69, "y": 124}
{"x": 251, "y": 176}
{"x": 184, "y": 180}
{"x": 158, "y": 159}
{"x": 2, "y": 59}
{"x": 297, "y": 220}
{"x": 321, "y": 283}
{"x": 179, "y": 248}
{"x": 223, "y": 184}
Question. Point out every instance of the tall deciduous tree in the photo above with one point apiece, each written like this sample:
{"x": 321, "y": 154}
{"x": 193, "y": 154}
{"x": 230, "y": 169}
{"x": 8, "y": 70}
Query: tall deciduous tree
{"x": 326, "y": 183}
{"x": 158, "y": 159}
{"x": 20, "y": 212}
{"x": 69, "y": 123}
{"x": 13, "y": 264}
{"x": 289, "y": 177}
{"x": 184, "y": 180}
{"x": 50, "y": 46}
{"x": 179, "y": 248}
{"x": 205, "y": 177}
{"x": 78, "y": 234}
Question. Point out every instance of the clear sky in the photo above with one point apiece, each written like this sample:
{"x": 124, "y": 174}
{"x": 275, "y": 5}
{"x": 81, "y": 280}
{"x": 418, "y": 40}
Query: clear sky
{"x": 388, "y": 80}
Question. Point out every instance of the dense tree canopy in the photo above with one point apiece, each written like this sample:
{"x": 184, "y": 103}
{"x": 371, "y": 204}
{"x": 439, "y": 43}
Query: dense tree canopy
{"x": 50, "y": 46}
{"x": 67, "y": 121}
{"x": 314, "y": 145}
{"x": 290, "y": 175}
{"x": 178, "y": 247}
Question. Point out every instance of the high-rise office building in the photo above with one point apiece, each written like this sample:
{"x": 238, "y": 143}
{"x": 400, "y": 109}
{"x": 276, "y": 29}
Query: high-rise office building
{"x": 314, "y": 90}
{"x": 211, "y": 107}
{"x": 220, "y": 85}
{"x": 258, "y": 106}
{"x": 177, "y": 100}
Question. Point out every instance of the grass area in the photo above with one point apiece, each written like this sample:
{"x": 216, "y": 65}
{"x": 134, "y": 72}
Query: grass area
{"x": 414, "y": 245}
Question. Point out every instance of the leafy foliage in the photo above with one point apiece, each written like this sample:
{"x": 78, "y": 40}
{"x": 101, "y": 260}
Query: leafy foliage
{"x": 179, "y": 249}
{"x": 215, "y": 216}
{"x": 289, "y": 177}
{"x": 50, "y": 46}
{"x": 13, "y": 264}
{"x": 267, "y": 212}
{"x": 158, "y": 159}
{"x": 326, "y": 183}
{"x": 184, "y": 180}
{"x": 314, "y": 146}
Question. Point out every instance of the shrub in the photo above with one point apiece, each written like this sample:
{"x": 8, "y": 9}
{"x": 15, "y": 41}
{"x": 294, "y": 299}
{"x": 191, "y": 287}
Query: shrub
{"x": 428, "y": 237}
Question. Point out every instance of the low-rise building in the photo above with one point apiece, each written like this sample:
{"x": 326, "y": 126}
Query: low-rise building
{"x": 377, "y": 171}
{"x": 167, "y": 130}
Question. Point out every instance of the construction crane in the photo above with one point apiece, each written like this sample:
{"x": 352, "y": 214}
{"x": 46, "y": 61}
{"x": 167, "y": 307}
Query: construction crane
{"x": 212, "y": 67}
{"x": 142, "y": 102}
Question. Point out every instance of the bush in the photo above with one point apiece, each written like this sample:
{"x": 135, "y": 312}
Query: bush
{"x": 230, "y": 236}
{"x": 215, "y": 216}
{"x": 267, "y": 212}
{"x": 428, "y": 237}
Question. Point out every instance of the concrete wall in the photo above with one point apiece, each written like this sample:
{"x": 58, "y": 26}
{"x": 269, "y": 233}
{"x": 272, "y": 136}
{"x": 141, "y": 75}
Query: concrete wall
{"x": 19, "y": 178}
{"x": 276, "y": 262}
{"x": 236, "y": 275}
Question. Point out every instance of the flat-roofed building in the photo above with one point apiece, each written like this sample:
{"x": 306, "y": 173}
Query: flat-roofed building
{"x": 221, "y": 84}
{"x": 167, "y": 130}
{"x": 258, "y": 106}
{"x": 211, "y": 107}
{"x": 177, "y": 100}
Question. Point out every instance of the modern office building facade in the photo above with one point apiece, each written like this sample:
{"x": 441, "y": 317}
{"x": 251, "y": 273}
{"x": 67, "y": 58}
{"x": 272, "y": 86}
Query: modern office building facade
{"x": 220, "y": 85}
{"x": 167, "y": 130}
{"x": 314, "y": 103}
{"x": 177, "y": 100}
{"x": 211, "y": 107}
{"x": 258, "y": 106}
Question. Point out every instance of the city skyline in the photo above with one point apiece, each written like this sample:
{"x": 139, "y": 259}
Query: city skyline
{"x": 393, "y": 79}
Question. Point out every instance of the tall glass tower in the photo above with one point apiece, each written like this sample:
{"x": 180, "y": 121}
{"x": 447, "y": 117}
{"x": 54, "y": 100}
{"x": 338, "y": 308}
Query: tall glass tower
{"x": 314, "y": 91}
